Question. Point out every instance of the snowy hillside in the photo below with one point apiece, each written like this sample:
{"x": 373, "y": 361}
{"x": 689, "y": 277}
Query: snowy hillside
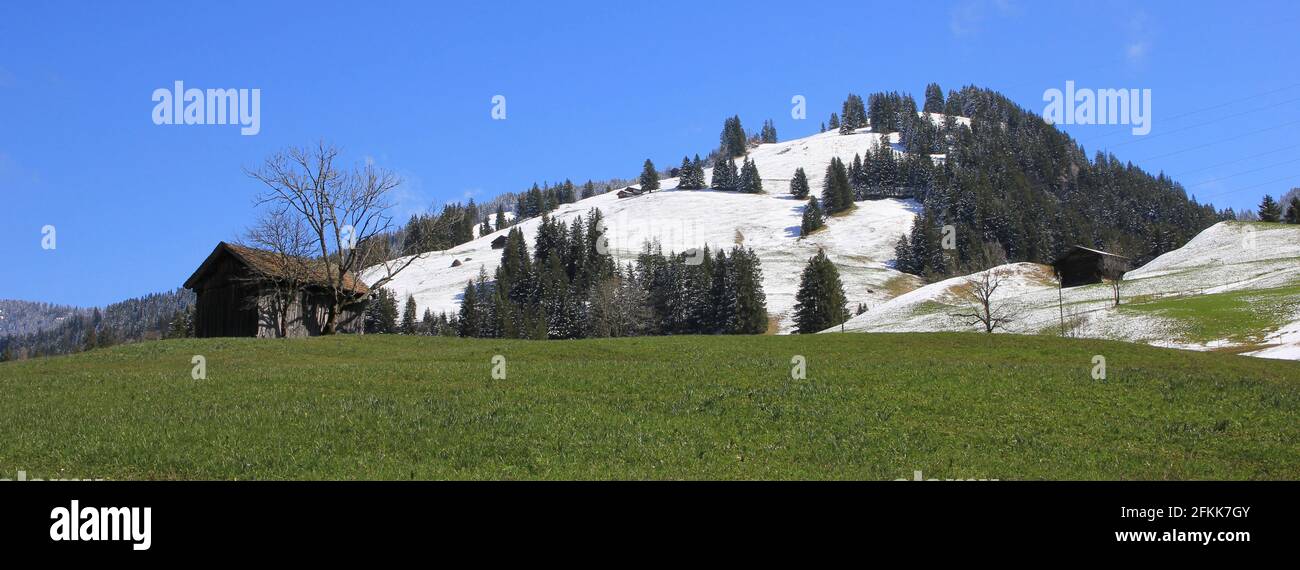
{"x": 1234, "y": 287}
{"x": 860, "y": 242}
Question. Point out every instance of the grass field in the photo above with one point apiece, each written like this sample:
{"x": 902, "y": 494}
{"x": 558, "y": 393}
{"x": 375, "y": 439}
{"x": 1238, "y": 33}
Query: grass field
{"x": 874, "y": 406}
{"x": 1238, "y": 316}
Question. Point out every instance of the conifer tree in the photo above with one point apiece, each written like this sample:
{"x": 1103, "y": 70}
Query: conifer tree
{"x": 750, "y": 182}
{"x": 1293, "y": 211}
{"x": 820, "y": 301}
{"x": 933, "y": 99}
{"x": 469, "y": 311}
{"x": 722, "y": 296}
{"x": 799, "y": 184}
{"x": 722, "y": 178}
{"x": 408, "y": 317}
{"x": 751, "y": 302}
{"x": 697, "y": 173}
{"x": 649, "y": 177}
{"x": 1269, "y": 211}
{"x": 834, "y": 123}
{"x": 768, "y": 134}
{"x": 837, "y": 193}
{"x": 733, "y": 139}
{"x": 813, "y": 217}
{"x": 429, "y": 323}
{"x": 854, "y": 114}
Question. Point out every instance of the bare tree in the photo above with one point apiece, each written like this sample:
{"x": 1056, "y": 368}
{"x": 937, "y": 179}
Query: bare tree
{"x": 345, "y": 212}
{"x": 984, "y": 309}
{"x": 289, "y": 246}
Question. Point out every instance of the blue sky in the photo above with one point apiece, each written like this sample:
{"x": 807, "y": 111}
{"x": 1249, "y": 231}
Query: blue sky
{"x": 591, "y": 90}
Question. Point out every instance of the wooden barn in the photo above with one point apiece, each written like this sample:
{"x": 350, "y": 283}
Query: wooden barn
{"x": 1085, "y": 266}
{"x": 499, "y": 242}
{"x": 629, "y": 192}
{"x": 235, "y": 290}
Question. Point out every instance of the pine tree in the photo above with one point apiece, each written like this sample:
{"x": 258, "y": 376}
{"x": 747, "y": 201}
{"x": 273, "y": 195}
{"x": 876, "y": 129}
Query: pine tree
{"x": 722, "y": 296}
{"x": 903, "y": 256}
{"x": 750, "y": 181}
{"x": 820, "y": 301}
{"x": 813, "y": 217}
{"x": 388, "y": 313}
{"x": 933, "y": 99}
{"x": 834, "y": 123}
{"x": 501, "y": 217}
{"x": 733, "y": 139}
{"x": 799, "y": 184}
{"x": 854, "y": 115}
{"x": 409, "y": 322}
{"x": 751, "y": 302}
{"x": 690, "y": 177}
{"x": 469, "y": 311}
{"x": 722, "y": 177}
{"x": 1293, "y": 210}
{"x": 649, "y": 177}
{"x": 837, "y": 193}
{"x": 1269, "y": 211}
{"x": 768, "y": 134}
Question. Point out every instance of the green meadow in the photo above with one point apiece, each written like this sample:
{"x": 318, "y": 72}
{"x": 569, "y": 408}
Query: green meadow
{"x": 872, "y": 406}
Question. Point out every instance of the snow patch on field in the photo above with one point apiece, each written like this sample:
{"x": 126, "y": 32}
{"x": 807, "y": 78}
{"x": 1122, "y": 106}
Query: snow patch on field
{"x": 860, "y": 242}
{"x": 1229, "y": 256}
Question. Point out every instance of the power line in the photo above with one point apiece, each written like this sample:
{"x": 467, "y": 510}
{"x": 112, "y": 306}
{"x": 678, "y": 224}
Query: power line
{"x": 1221, "y": 178}
{"x": 1235, "y": 190}
{"x": 1244, "y": 158}
{"x": 1221, "y": 141}
{"x": 1197, "y": 111}
{"x": 1204, "y": 123}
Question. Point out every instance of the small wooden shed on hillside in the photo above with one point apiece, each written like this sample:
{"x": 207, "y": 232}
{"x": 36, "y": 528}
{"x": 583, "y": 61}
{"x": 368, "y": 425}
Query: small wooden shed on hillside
{"x": 1085, "y": 266}
{"x": 235, "y": 295}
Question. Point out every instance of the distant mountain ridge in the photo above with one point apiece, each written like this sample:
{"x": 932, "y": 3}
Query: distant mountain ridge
{"x": 27, "y": 317}
{"x": 42, "y": 329}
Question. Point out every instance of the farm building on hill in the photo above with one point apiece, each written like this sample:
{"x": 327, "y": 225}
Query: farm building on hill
{"x": 237, "y": 290}
{"x": 1085, "y": 266}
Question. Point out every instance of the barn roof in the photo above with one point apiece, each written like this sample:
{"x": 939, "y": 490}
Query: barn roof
{"x": 266, "y": 263}
{"x": 1079, "y": 248}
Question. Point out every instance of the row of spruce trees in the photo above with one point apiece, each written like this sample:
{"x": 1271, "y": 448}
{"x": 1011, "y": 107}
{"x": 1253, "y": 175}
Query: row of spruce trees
{"x": 568, "y": 287}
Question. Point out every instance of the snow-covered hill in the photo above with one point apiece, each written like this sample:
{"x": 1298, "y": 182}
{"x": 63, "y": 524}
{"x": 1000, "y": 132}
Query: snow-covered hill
{"x": 860, "y": 242}
{"x": 1236, "y": 287}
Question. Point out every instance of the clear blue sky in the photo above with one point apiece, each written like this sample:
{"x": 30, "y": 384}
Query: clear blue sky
{"x": 592, "y": 90}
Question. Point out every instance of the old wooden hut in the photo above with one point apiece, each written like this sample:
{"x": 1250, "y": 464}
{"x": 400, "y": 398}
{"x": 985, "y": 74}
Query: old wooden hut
{"x": 237, "y": 290}
{"x": 499, "y": 242}
{"x": 1084, "y": 266}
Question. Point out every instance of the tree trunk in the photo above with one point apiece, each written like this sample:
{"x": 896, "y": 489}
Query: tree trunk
{"x": 331, "y": 318}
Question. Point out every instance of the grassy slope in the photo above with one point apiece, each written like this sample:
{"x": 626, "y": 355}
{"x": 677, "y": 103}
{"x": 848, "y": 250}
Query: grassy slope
{"x": 1238, "y": 316}
{"x": 873, "y": 407}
